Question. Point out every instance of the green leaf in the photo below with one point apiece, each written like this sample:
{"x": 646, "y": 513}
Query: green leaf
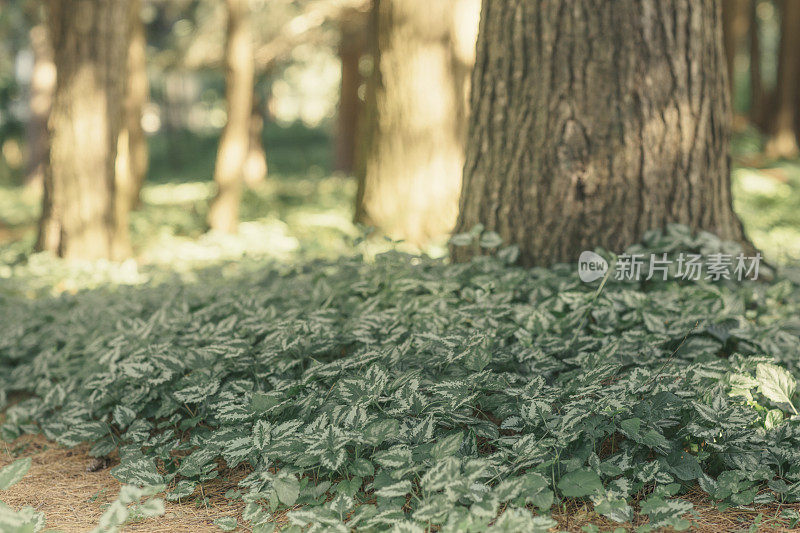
{"x": 377, "y": 432}
{"x": 183, "y": 489}
{"x": 631, "y": 426}
{"x": 447, "y": 446}
{"x": 261, "y": 434}
{"x": 123, "y": 416}
{"x": 461, "y": 239}
{"x": 226, "y": 523}
{"x": 773, "y": 419}
{"x": 287, "y": 489}
{"x": 263, "y": 402}
{"x": 12, "y": 473}
{"x": 151, "y": 508}
{"x": 776, "y": 383}
{"x": 490, "y": 239}
{"x": 341, "y": 505}
{"x": 401, "y": 488}
{"x": 361, "y": 467}
{"x": 580, "y": 483}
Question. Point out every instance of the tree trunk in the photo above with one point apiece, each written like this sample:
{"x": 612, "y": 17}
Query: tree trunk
{"x": 234, "y": 143}
{"x": 783, "y": 140}
{"x": 352, "y": 47}
{"x": 43, "y": 84}
{"x": 255, "y": 166}
{"x": 132, "y": 152}
{"x": 136, "y": 96}
{"x": 90, "y": 54}
{"x": 758, "y": 98}
{"x": 735, "y": 24}
{"x": 593, "y": 122}
{"x": 410, "y": 174}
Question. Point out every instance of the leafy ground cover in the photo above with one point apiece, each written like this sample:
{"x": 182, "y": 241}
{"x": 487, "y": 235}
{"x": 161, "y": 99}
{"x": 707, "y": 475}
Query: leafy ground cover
{"x": 403, "y": 392}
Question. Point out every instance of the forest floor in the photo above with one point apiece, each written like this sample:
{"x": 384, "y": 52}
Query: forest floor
{"x": 61, "y": 483}
{"x": 295, "y": 219}
{"x": 370, "y": 391}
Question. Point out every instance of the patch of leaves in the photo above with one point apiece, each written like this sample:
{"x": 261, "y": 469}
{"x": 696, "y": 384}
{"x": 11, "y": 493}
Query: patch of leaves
{"x": 410, "y": 393}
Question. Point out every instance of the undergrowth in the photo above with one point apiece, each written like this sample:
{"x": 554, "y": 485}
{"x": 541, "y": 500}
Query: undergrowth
{"x": 412, "y": 394}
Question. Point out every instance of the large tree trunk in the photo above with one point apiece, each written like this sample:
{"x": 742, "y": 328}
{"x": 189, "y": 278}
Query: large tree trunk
{"x": 234, "y": 143}
{"x": 90, "y": 54}
{"x": 410, "y": 174}
{"x": 783, "y": 140}
{"x": 352, "y": 47}
{"x": 43, "y": 84}
{"x": 132, "y": 152}
{"x": 593, "y": 122}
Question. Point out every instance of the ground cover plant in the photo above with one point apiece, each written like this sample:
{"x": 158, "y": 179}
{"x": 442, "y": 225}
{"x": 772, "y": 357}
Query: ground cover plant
{"x": 404, "y": 392}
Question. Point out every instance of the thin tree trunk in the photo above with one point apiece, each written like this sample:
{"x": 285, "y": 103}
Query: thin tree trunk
{"x": 90, "y": 54}
{"x": 352, "y": 47}
{"x": 410, "y": 174}
{"x": 593, "y": 122}
{"x": 234, "y": 143}
{"x": 783, "y": 140}
{"x": 132, "y": 152}
{"x": 758, "y": 99}
{"x": 43, "y": 84}
{"x": 255, "y": 166}
{"x": 138, "y": 93}
{"x": 735, "y": 24}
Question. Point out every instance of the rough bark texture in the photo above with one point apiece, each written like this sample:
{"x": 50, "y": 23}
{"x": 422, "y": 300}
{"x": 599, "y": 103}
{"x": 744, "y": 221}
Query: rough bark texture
{"x": 593, "y": 121}
{"x": 783, "y": 127}
{"x": 234, "y": 143}
{"x": 90, "y": 54}
{"x": 410, "y": 174}
{"x": 43, "y": 85}
{"x": 352, "y": 47}
{"x": 132, "y": 152}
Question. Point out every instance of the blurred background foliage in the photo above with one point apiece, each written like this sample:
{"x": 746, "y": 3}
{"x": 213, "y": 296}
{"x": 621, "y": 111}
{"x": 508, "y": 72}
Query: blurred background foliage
{"x": 305, "y": 206}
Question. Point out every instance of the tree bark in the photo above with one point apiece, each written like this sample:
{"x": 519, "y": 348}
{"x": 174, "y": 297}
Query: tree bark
{"x": 132, "y": 152}
{"x": 255, "y": 166}
{"x": 136, "y": 97}
{"x": 758, "y": 98}
{"x": 783, "y": 130}
{"x": 735, "y": 24}
{"x": 595, "y": 121}
{"x": 410, "y": 171}
{"x": 234, "y": 143}
{"x": 352, "y": 48}
{"x": 90, "y": 54}
{"x": 42, "y": 86}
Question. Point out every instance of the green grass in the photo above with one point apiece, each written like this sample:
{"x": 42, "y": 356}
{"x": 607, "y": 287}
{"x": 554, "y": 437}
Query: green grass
{"x": 404, "y": 392}
{"x": 304, "y": 211}
{"x": 294, "y": 150}
{"x": 767, "y": 198}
